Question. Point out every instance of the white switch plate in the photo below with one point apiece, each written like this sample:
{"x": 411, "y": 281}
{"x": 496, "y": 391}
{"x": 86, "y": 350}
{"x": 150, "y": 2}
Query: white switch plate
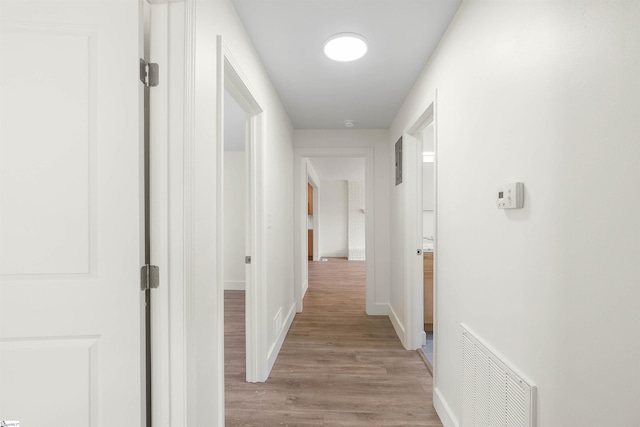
{"x": 511, "y": 196}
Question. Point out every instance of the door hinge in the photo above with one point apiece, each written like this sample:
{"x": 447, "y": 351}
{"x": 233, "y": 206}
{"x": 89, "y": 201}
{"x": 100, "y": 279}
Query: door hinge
{"x": 247, "y": 259}
{"x": 149, "y": 277}
{"x": 149, "y": 73}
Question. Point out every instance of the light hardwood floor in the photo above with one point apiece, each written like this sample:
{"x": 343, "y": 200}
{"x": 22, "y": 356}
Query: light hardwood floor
{"x": 337, "y": 367}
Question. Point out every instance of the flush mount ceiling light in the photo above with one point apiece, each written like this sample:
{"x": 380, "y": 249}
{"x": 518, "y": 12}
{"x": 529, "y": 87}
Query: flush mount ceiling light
{"x": 345, "y": 47}
{"x": 349, "y": 123}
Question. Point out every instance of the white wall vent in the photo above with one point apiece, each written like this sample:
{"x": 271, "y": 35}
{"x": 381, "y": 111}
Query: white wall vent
{"x": 492, "y": 393}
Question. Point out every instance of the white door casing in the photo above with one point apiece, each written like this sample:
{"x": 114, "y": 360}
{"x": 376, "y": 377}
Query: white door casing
{"x": 300, "y": 221}
{"x": 233, "y": 80}
{"x": 413, "y": 229}
{"x": 71, "y": 212}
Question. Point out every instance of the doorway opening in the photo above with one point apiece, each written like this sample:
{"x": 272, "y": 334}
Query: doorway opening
{"x": 337, "y": 256}
{"x": 422, "y": 218}
{"x": 235, "y": 240}
{"x": 239, "y": 248}
{"x": 334, "y": 220}
{"x": 427, "y": 231}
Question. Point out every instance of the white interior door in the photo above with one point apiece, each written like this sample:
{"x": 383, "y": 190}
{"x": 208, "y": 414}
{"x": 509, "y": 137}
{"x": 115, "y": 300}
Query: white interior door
{"x": 71, "y": 347}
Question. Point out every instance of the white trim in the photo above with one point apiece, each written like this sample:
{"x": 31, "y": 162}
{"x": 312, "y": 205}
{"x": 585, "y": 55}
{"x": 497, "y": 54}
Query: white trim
{"x": 380, "y": 309}
{"x": 305, "y": 286}
{"x": 190, "y": 377}
{"x": 413, "y": 262}
{"x": 300, "y": 215}
{"x": 444, "y": 411}
{"x": 282, "y": 334}
{"x": 337, "y": 254}
{"x": 161, "y": 349}
{"x": 414, "y": 273}
{"x": 233, "y": 80}
{"x": 234, "y": 285}
{"x": 313, "y": 179}
{"x": 397, "y": 325}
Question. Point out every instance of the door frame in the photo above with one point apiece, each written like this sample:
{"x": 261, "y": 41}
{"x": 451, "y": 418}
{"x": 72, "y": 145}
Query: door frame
{"x": 414, "y": 268}
{"x": 231, "y": 78}
{"x": 301, "y": 274}
{"x": 314, "y": 181}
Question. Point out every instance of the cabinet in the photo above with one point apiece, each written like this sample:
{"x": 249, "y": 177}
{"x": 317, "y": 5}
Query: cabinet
{"x": 427, "y": 259}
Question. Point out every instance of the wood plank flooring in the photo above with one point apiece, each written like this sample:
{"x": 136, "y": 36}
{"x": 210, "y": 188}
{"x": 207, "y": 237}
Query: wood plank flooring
{"x": 337, "y": 367}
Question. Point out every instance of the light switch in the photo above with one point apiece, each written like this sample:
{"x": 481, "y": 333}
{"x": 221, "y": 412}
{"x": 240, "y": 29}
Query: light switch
{"x": 511, "y": 196}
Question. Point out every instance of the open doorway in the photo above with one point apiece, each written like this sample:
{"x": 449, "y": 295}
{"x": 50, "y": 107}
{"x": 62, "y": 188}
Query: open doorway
{"x": 303, "y": 169}
{"x": 235, "y": 240}
{"x": 313, "y": 215}
{"x": 336, "y": 219}
{"x": 422, "y": 220}
{"x": 427, "y": 227}
{"x": 239, "y": 250}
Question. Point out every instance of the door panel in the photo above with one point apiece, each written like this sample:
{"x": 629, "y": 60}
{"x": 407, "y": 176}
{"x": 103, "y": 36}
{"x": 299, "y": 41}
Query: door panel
{"x": 70, "y": 213}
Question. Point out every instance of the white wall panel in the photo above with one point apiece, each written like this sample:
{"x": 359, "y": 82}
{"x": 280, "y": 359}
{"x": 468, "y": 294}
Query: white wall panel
{"x": 40, "y": 369}
{"x": 47, "y": 130}
{"x": 546, "y": 93}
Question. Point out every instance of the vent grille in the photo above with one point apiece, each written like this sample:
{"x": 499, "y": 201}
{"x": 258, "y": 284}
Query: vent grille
{"x": 492, "y": 393}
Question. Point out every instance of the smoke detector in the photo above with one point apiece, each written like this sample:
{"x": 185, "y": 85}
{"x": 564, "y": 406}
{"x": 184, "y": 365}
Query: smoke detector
{"x": 349, "y": 123}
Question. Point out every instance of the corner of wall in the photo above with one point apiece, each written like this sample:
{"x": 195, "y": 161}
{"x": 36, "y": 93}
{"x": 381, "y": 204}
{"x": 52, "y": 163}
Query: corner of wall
{"x": 443, "y": 410}
{"x": 398, "y": 326}
{"x": 274, "y": 350}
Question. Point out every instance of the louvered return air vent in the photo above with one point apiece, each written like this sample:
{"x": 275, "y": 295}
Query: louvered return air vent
{"x": 493, "y": 394}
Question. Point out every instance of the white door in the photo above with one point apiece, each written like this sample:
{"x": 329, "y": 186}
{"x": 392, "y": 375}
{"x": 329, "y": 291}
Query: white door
{"x": 71, "y": 343}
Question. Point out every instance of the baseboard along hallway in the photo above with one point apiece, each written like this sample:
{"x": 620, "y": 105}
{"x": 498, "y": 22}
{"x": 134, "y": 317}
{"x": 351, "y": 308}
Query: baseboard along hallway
{"x": 337, "y": 367}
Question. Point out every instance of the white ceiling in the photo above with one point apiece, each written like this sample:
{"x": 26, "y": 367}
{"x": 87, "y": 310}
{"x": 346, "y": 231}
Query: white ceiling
{"x": 319, "y": 93}
{"x": 338, "y": 168}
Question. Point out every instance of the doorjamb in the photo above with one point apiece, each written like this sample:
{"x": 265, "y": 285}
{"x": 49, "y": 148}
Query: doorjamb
{"x": 414, "y": 269}
{"x": 231, "y": 78}
{"x": 315, "y": 184}
{"x": 300, "y": 191}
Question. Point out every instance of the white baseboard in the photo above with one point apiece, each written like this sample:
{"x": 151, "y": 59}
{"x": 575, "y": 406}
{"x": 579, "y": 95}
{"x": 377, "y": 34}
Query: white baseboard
{"x": 338, "y": 254}
{"x": 378, "y": 310}
{"x": 444, "y": 411}
{"x": 397, "y": 325}
{"x": 423, "y": 338}
{"x": 305, "y": 286}
{"x": 274, "y": 350}
{"x": 234, "y": 285}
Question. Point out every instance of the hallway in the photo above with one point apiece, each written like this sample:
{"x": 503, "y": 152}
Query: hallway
{"x": 337, "y": 367}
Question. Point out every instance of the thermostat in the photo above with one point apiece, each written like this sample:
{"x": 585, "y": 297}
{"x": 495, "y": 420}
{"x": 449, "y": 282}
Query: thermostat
{"x": 511, "y": 196}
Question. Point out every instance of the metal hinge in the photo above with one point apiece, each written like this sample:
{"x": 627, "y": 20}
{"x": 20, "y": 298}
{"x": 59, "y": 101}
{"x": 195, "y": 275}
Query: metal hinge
{"x": 149, "y": 277}
{"x": 247, "y": 259}
{"x": 149, "y": 73}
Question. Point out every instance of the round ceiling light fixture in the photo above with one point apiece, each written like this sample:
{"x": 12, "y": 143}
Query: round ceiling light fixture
{"x": 344, "y": 47}
{"x": 349, "y": 123}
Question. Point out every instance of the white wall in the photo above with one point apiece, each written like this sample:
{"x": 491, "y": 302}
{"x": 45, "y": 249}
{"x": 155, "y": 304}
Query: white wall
{"x": 333, "y": 219}
{"x": 377, "y": 140}
{"x": 193, "y": 179}
{"x": 428, "y": 224}
{"x": 546, "y": 93}
{"x": 235, "y": 194}
{"x": 356, "y": 228}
